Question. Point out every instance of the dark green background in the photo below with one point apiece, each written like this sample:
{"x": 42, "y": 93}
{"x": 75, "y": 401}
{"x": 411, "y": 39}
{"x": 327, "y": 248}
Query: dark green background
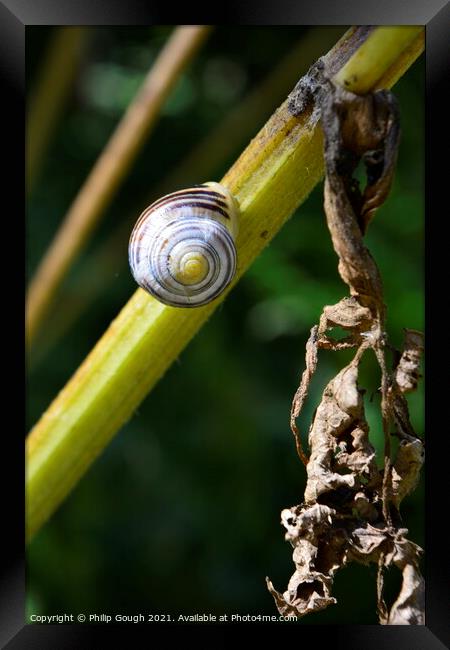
{"x": 181, "y": 512}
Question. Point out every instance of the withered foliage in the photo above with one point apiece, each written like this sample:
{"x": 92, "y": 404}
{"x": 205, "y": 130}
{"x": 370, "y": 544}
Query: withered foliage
{"x": 351, "y": 509}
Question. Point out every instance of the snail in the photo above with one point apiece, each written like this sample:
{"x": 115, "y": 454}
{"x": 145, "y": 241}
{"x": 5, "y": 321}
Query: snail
{"x": 182, "y": 247}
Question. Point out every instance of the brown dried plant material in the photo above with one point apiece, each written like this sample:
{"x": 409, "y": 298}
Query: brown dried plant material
{"x": 350, "y": 511}
{"x": 407, "y": 373}
{"x": 302, "y": 390}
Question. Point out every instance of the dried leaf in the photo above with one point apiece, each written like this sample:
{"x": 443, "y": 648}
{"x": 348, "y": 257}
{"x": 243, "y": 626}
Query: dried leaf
{"x": 407, "y": 373}
{"x": 349, "y": 505}
{"x": 409, "y": 608}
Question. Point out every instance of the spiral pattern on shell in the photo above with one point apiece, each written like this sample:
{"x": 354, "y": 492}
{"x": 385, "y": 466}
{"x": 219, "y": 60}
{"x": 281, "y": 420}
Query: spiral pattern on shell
{"x": 182, "y": 247}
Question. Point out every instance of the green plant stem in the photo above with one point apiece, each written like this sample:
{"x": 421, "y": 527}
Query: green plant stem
{"x": 361, "y": 73}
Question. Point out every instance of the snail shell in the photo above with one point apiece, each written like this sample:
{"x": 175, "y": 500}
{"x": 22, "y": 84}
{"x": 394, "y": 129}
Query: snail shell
{"x": 182, "y": 247}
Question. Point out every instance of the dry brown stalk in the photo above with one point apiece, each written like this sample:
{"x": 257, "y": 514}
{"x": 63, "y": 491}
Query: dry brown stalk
{"x": 55, "y": 79}
{"x": 351, "y": 509}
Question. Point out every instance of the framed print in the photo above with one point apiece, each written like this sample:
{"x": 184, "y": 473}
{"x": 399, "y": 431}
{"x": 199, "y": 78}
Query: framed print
{"x": 225, "y": 308}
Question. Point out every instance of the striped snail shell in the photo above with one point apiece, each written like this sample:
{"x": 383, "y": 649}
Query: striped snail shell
{"x": 182, "y": 247}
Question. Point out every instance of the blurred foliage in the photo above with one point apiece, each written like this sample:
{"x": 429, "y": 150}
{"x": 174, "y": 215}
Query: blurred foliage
{"x": 181, "y": 513}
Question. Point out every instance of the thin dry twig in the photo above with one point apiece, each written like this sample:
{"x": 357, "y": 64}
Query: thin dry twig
{"x": 302, "y": 391}
{"x": 55, "y": 80}
{"x": 350, "y": 510}
{"x": 109, "y": 170}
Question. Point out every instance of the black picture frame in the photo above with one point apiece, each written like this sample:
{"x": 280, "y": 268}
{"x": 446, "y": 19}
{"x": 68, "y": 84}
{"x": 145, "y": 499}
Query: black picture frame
{"x": 15, "y": 16}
